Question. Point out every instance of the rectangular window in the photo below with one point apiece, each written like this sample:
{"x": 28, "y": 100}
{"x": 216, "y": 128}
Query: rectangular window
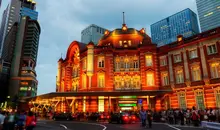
{"x": 177, "y": 58}
{"x": 211, "y": 49}
{"x": 196, "y": 73}
{"x": 193, "y": 54}
{"x": 217, "y": 95}
{"x": 101, "y": 80}
{"x": 179, "y": 76}
{"x": 164, "y": 78}
{"x": 215, "y": 70}
{"x": 101, "y": 62}
{"x": 200, "y": 100}
{"x": 148, "y": 60}
{"x": 163, "y": 61}
{"x": 150, "y": 79}
{"x": 182, "y": 100}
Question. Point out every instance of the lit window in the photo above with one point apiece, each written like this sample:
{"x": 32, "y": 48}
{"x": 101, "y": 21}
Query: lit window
{"x": 117, "y": 63}
{"x": 84, "y": 64}
{"x": 196, "y": 74}
{"x": 84, "y": 81}
{"x": 208, "y": 14}
{"x": 212, "y": 49}
{"x": 150, "y": 79}
{"x": 215, "y": 70}
{"x": 200, "y": 100}
{"x": 182, "y": 100}
{"x": 148, "y": 60}
{"x": 177, "y": 58}
{"x": 101, "y": 104}
{"x": 136, "y": 64}
{"x": 129, "y": 42}
{"x": 164, "y": 78}
{"x": 101, "y": 62}
{"x": 193, "y": 54}
{"x": 163, "y": 61}
{"x": 179, "y": 76}
{"x": 120, "y": 42}
{"x": 217, "y": 96}
{"x": 101, "y": 80}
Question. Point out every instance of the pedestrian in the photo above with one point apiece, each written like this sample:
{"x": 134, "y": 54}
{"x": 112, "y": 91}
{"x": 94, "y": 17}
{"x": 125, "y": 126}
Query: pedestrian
{"x": 143, "y": 116}
{"x": 30, "y": 121}
{"x": 2, "y": 118}
{"x": 11, "y": 120}
{"x": 21, "y": 120}
{"x": 149, "y": 118}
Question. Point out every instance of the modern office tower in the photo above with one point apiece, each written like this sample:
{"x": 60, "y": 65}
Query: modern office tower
{"x": 182, "y": 23}
{"x": 4, "y": 79}
{"x": 0, "y": 3}
{"x": 15, "y": 10}
{"x": 209, "y": 14}
{"x": 92, "y": 33}
{"x": 23, "y": 80}
{"x": 10, "y": 42}
{"x": 3, "y": 24}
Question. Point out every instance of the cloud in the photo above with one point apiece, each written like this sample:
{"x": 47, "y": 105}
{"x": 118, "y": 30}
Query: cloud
{"x": 62, "y": 22}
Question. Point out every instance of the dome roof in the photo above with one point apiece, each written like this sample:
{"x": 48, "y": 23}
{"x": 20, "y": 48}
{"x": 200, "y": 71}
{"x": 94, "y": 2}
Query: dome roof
{"x": 124, "y": 34}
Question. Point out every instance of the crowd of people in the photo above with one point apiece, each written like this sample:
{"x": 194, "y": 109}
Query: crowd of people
{"x": 19, "y": 120}
{"x": 190, "y": 116}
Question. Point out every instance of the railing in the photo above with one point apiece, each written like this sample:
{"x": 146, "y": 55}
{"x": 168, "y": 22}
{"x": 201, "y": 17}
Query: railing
{"x": 210, "y": 125}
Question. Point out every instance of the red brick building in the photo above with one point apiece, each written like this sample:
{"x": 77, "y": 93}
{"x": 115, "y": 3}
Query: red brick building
{"x": 125, "y": 70}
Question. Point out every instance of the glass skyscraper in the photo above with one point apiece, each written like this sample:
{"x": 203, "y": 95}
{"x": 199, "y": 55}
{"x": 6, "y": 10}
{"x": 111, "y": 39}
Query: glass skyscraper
{"x": 209, "y": 14}
{"x": 182, "y": 23}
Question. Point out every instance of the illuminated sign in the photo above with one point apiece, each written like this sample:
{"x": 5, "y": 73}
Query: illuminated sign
{"x": 128, "y": 105}
{"x": 128, "y": 97}
{"x": 23, "y": 88}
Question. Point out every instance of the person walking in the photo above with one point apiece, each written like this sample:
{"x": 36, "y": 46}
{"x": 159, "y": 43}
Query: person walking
{"x": 143, "y": 116}
{"x": 149, "y": 118}
{"x": 30, "y": 121}
{"x": 2, "y": 118}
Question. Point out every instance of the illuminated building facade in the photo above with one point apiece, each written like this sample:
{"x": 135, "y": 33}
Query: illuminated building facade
{"x": 125, "y": 61}
{"x": 126, "y": 71}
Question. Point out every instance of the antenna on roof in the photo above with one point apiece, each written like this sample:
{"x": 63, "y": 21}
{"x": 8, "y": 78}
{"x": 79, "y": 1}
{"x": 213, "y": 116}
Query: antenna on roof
{"x": 61, "y": 55}
{"x": 90, "y": 37}
{"x": 123, "y": 18}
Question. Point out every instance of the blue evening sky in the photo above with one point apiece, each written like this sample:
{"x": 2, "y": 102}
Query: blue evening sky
{"x": 62, "y": 21}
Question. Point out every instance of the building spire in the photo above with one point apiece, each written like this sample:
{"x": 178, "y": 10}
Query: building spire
{"x": 123, "y": 18}
{"x": 61, "y": 55}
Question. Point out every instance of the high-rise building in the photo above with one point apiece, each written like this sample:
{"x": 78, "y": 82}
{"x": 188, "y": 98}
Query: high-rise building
{"x": 92, "y": 33}
{"x": 209, "y": 14}
{"x": 4, "y": 79}
{"x": 3, "y": 25}
{"x": 182, "y": 23}
{"x": 0, "y": 3}
{"x": 23, "y": 80}
{"x": 9, "y": 44}
{"x": 15, "y": 10}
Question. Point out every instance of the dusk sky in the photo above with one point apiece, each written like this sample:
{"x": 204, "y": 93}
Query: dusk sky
{"x": 63, "y": 20}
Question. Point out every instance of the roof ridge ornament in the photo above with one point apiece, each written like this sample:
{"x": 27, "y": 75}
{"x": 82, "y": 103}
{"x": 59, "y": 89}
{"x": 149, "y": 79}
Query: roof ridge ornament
{"x": 124, "y": 27}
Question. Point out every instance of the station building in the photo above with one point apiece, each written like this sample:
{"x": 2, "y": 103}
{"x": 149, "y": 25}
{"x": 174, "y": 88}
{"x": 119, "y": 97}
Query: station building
{"x": 125, "y": 71}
